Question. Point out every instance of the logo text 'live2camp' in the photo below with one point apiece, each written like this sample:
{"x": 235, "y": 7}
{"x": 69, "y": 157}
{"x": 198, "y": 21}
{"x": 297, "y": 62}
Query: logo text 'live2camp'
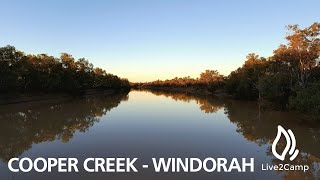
{"x": 290, "y": 149}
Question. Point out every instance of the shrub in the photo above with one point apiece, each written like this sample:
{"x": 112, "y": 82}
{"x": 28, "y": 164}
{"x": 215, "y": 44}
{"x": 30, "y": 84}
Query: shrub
{"x": 307, "y": 100}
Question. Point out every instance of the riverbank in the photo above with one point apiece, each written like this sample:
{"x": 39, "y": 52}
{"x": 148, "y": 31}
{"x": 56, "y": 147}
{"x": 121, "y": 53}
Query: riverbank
{"x": 52, "y": 97}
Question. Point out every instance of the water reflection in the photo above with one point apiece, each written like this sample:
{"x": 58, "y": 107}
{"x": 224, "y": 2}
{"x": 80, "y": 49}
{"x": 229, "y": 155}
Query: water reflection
{"x": 260, "y": 126}
{"x": 150, "y": 124}
{"x": 25, "y": 124}
{"x": 208, "y": 104}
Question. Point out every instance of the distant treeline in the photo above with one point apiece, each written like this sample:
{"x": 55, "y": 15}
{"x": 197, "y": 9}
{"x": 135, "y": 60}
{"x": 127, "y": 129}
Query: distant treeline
{"x": 291, "y": 76}
{"x": 210, "y": 80}
{"x": 20, "y": 72}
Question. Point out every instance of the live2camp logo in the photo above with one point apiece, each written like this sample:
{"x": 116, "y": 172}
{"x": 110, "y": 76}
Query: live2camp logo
{"x": 290, "y": 149}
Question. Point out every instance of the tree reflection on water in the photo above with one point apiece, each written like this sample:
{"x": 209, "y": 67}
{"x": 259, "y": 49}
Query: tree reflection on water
{"x": 261, "y": 128}
{"x": 25, "y": 124}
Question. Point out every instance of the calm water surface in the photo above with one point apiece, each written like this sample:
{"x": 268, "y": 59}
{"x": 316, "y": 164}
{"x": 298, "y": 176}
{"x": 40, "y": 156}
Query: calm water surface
{"x": 152, "y": 124}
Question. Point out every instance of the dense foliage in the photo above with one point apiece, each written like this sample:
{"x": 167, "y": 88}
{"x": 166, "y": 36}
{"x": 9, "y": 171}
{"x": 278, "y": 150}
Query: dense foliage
{"x": 22, "y": 72}
{"x": 293, "y": 72}
{"x": 307, "y": 100}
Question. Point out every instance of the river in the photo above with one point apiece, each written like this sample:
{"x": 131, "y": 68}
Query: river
{"x": 148, "y": 125}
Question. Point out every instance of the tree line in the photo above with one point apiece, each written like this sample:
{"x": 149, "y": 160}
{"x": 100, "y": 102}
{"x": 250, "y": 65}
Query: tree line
{"x": 22, "y": 72}
{"x": 291, "y": 76}
{"x": 211, "y": 80}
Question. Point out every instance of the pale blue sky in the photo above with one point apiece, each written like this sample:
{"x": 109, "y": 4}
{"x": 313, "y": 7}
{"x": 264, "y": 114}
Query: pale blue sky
{"x": 145, "y": 40}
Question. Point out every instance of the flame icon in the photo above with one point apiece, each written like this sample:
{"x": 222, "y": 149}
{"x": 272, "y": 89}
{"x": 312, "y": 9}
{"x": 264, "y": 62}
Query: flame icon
{"x": 291, "y": 144}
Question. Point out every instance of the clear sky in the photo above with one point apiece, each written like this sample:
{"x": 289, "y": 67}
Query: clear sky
{"x": 145, "y": 40}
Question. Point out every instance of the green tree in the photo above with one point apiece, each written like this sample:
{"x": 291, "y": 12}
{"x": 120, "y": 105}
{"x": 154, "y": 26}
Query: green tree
{"x": 243, "y": 83}
{"x": 45, "y": 73}
{"x": 301, "y": 54}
